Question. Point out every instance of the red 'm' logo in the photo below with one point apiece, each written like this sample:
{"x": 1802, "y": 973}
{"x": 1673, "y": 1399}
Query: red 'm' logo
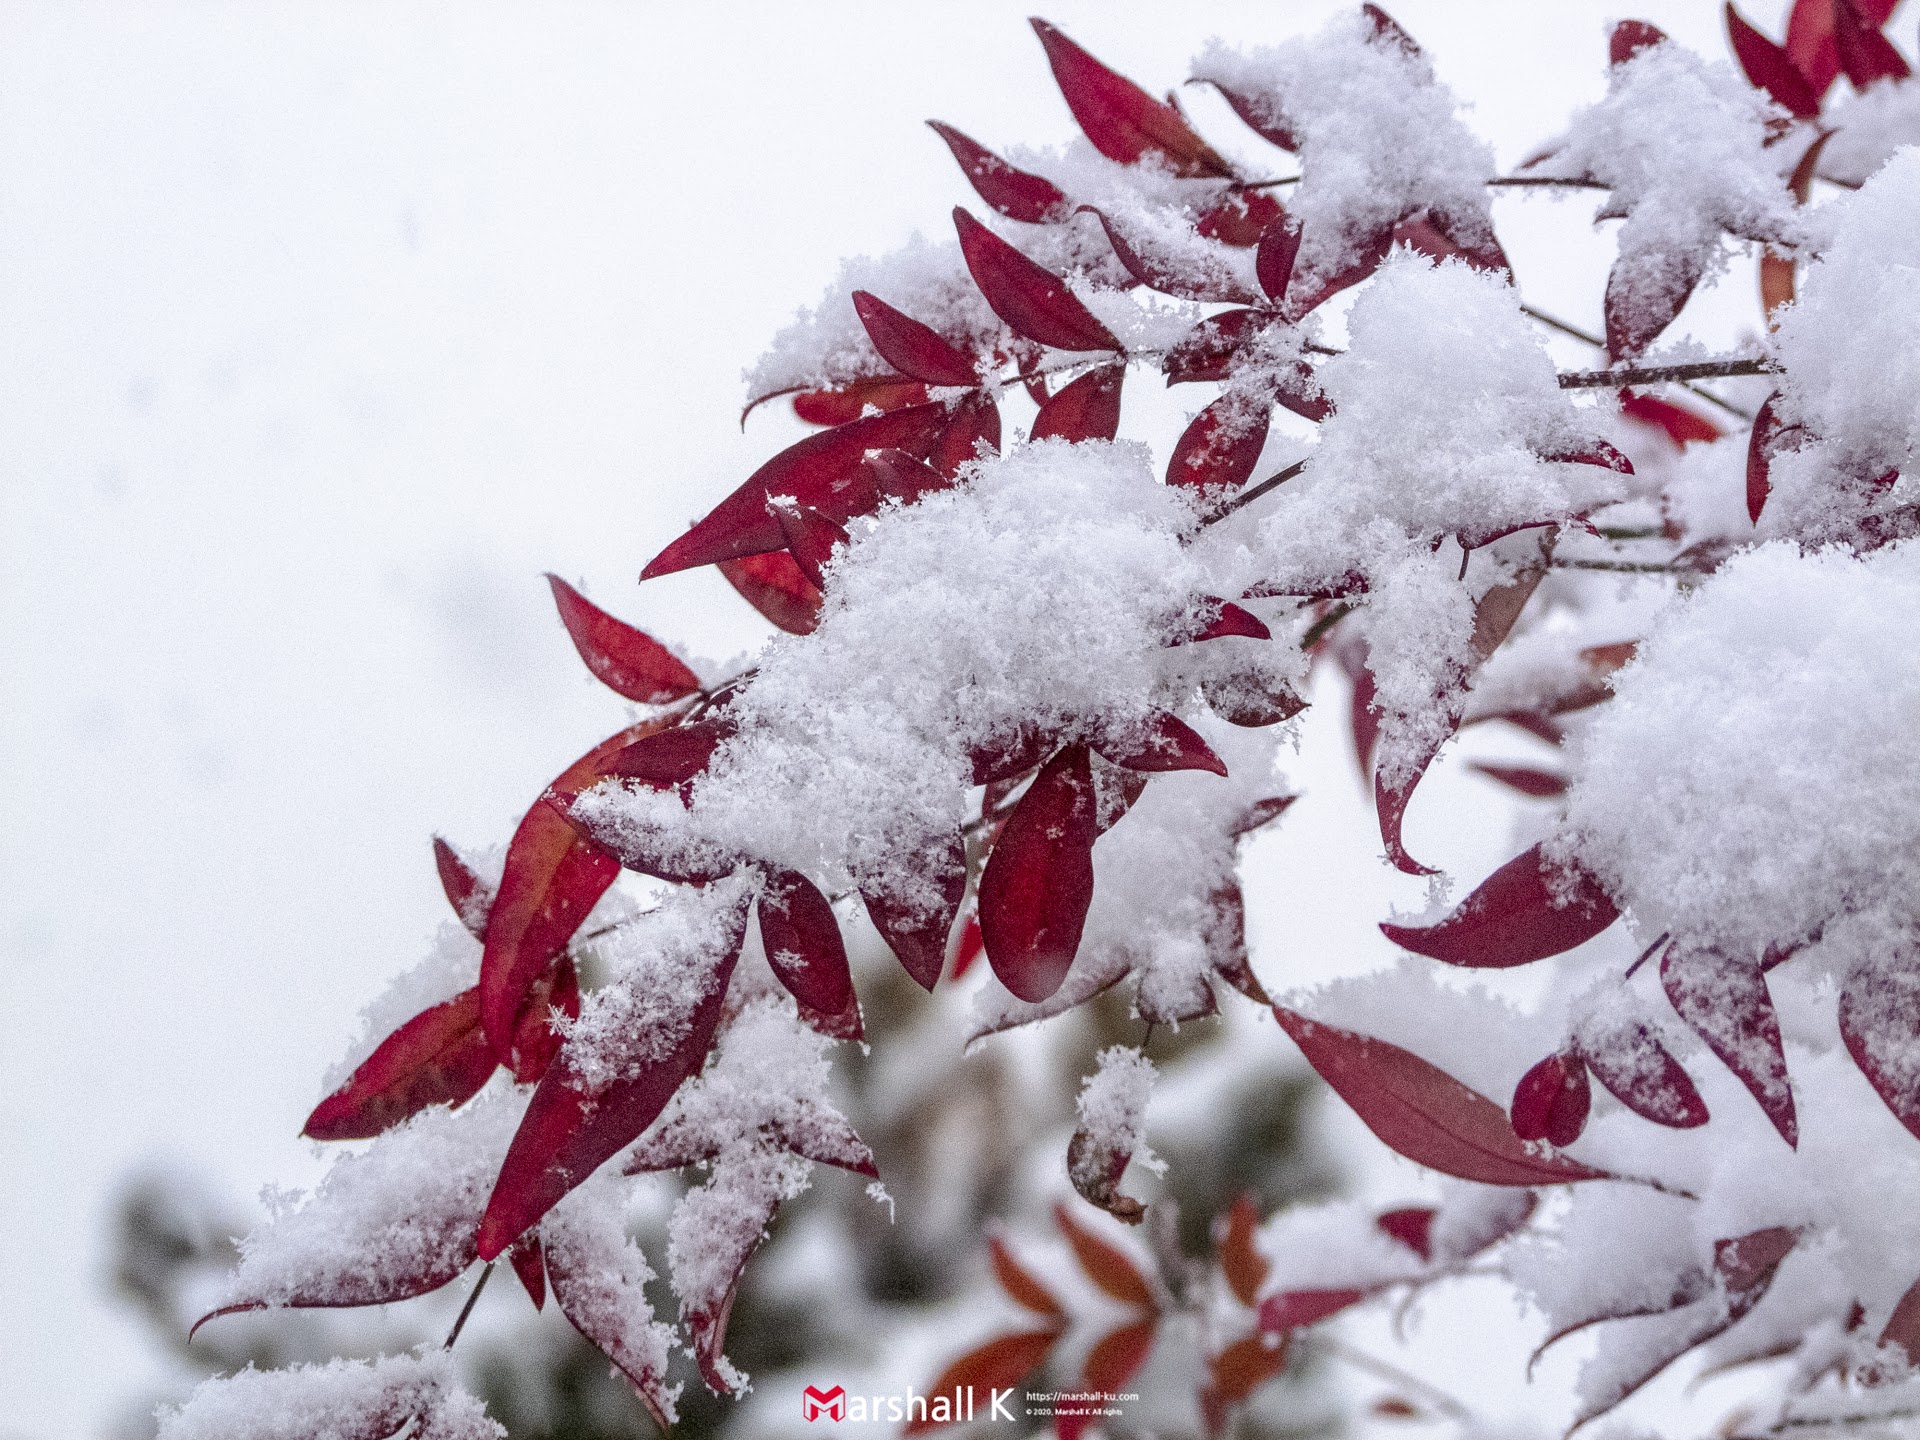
{"x": 815, "y": 1402}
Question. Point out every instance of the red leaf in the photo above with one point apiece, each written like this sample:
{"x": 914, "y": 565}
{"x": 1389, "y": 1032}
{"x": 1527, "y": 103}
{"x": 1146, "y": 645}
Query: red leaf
{"x": 1251, "y": 701}
{"x": 1273, "y": 262}
{"x": 1262, "y": 813}
{"x": 1208, "y": 350}
{"x": 1238, "y": 218}
{"x": 1229, "y": 619}
{"x": 1244, "y": 1366}
{"x": 1595, "y": 452}
{"x": 1388, "y": 30}
{"x": 1726, "y": 1002}
{"x": 1015, "y": 193}
{"x": 666, "y": 758}
{"x": 530, "y": 1266}
{"x": 821, "y": 472}
{"x": 1682, "y": 425}
{"x": 975, "y": 419}
{"x": 1117, "y": 1356}
{"x": 1220, "y": 446}
{"x": 1551, "y": 1101}
{"x": 439, "y": 1057}
{"x": 627, "y": 661}
{"x": 470, "y": 896}
{"x": 1039, "y": 879}
{"x": 811, "y": 537}
{"x": 1768, "y": 67}
{"x": 1029, "y": 297}
{"x": 1167, "y": 743}
{"x": 1123, "y": 121}
{"x": 1169, "y": 279}
{"x": 916, "y": 935}
{"x": 1260, "y": 114}
{"x": 1367, "y": 258}
{"x": 1865, "y": 54}
{"x": 585, "y": 1265}
{"x": 571, "y": 1129}
{"x": 1766, "y": 429}
{"x": 1019, "y": 1282}
{"x": 1094, "y": 1166}
{"x": 840, "y": 404}
{"x": 1880, "y": 1022}
{"x": 1009, "y": 757}
{"x": 1296, "y": 1309}
{"x": 1810, "y": 43}
{"x": 1629, "y": 38}
{"x": 1422, "y": 1112}
{"x": 1642, "y": 1075}
{"x": 1645, "y": 292}
{"x": 535, "y": 1042}
{"x": 1540, "y": 784}
{"x": 805, "y": 949}
{"x": 1526, "y": 910}
{"x": 1106, "y": 1265}
{"x": 999, "y": 1364}
{"x": 1088, "y": 409}
{"x": 898, "y": 476}
{"x": 1411, "y": 1226}
{"x": 911, "y": 347}
{"x": 1244, "y": 1266}
{"x": 1903, "y": 1326}
{"x": 775, "y": 586}
{"x": 970, "y": 948}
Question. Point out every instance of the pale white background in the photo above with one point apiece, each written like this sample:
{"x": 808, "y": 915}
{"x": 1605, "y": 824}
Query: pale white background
{"x": 324, "y": 329}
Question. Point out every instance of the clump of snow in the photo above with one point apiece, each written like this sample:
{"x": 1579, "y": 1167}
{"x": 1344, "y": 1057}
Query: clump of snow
{"x": 450, "y": 966}
{"x": 1851, "y": 369}
{"x": 1113, "y": 1106}
{"x": 1869, "y": 127}
{"x": 1753, "y": 779}
{"x": 342, "y": 1400}
{"x": 407, "y": 1206}
{"x": 1379, "y": 138}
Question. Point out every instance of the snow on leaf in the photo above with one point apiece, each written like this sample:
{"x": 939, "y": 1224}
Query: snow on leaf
{"x": 1225, "y": 618}
{"x": 1164, "y": 742}
{"x": 1422, "y": 1112}
{"x": 917, "y": 933}
{"x": 1112, "y": 1111}
{"x": 1726, "y": 1001}
{"x": 553, "y": 999}
{"x": 1880, "y": 1023}
{"x": 341, "y": 1400}
{"x": 469, "y": 895}
{"x": 1039, "y": 880}
{"x": 1528, "y": 909}
{"x": 1166, "y": 274}
{"x": 629, "y": 662}
{"x": 973, "y": 431}
{"x": 1029, "y": 297}
{"x": 1220, "y": 446}
{"x": 1015, "y": 193}
{"x": 1627, "y": 1057}
{"x": 1123, "y": 121}
{"x": 1274, "y": 260}
{"x": 439, "y": 1057}
{"x": 1209, "y": 349}
{"x": 1087, "y": 409}
{"x": 843, "y": 404}
{"x": 1629, "y": 38}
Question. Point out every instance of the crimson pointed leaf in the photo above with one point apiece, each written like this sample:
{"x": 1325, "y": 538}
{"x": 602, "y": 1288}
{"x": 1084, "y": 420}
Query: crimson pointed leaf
{"x": 1226, "y": 618}
{"x": 1903, "y": 1326}
{"x": 1646, "y": 289}
{"x": 811, "y": 537}
{"x": 973, "y": 424}
{"x": 1029, "y": 297}
{"x": 911, "y": 347}
{"x": 1220, "y": 446}
{"x": 1865, "y": 54}
{"x": 1296, "y": 1309}
{"x": 774, "y": 585}
{"x": 1087, "y": 409}
{"x": 1539, "y": 784}
{"x": 1411, "y": 1226}
{"x": 916, "y": 925}
{"x": 535, "y": 1041}
{"x": 804, "y": 946}
{"x": 1880, "y": 1023}
{"x": 1551, "y": 1101}
{"x": 1422, "y": 1112}
{"x": 1239, "y": 218}
{"x": 1273, "y": 261}
{"x": 1629, "y": 38}
{"x": 1767, "y": 426}
{"x": 1725, "y": 1000}
{"x": 439, "y": 1057}
{"x": 898, "y": 476}
{"x": 1208, "y": 351}
{"x": 1768, "y": 67}
{"x": 842, "y": 404}
{"x": 1165, "y": 742}
{"x": 1681, "y": 424}
{"x": 627, "y": 661}
{"x": 469, "y": 895}
{"x": 597, "y": 1275}
{"x": 1364, "y": 258}
{"x": 1039, "y": 879}
{"x": 530, "y": 1268}
{"x": 1015, "y": 193}
{"x": 1123, "y": 121}
{"x": 1208, "y": 286}
{"x": 1526, "y": 910}
{"x": 1641, "y": 1073}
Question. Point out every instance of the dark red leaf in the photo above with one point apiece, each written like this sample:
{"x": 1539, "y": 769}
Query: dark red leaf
{"x": 1123, "y": 121}
{"x": 1746, "y": 1264}
{"x": 1165, "y": 743}
{"x": 1880, "y": 1022}
{"x": 1645, "y": 291}
{"x": 804, "y": 946}
{"x": 1297, "y": 1309}
{"x": 1207, "y": 351}
{"x": 1526, "y": 910}
{"x": 1094, "y": 1166}
{"x": 627, "y": 661}
{"x": 1088, "y": 409}
{"x": 1367, "y": 258}
{"x": 1015, "y": 193}
{"x": 1540, "y": 784}
{"x": 975, "y": 420}
{"x": 1682, "y": 425}
{"x": 1642, "y": 1075}
{"x": 911, "y": 347}
{"x": 1726, "y": 1002}
{"x": 535, "y": 1041}
{"x": 1251, "y": 701}
{"x": 811, "y": 537}
{"x": 1422, "y": 1112}
{"x": 1433, "y": 235}
{"x": 1012, "y": 756}
{"x": 1768, "y": 67}
{"x": 1170, "y": 279}
{"x": 1389, "y": 30}
{"x": 666, "y": 758}
{"x": 775, "y": 586}
{"x": 439, "y": 1057}
{"x": 530, "y": 1266}
{"x": 1039, "y": 879}
{"x": 1594, "y": 452}
{"x": 1629, "y": 38}
{"x": 1106, "y": 1265}
{"x": 1865, "y": 54}
{"x": 1273, "y": 262}
{"x": 470, "y": 896}
{"x": 1239, "y": 218}
{"x": 1230, "y": 619}
{"x": 918, "y": 935}
{"x": 1810, "y": 43}
{"x": 571, "y": 1128}
{"x": 1243, "y": 1265}
{"x": 821, "y": 472}
{"x": 1029, "y": 297}
{"x": 898, "y": 476}
{"x": 1019, "y": 1282}
{"x": 1412, "y": 1227}
{"x": 1766, "y": 429}
{"x": 1220, "y": 446}
{"x": 1551, "y": 1101}
{"x": 1260, "y": 113}
{"x": 1000, "y": 1364}
{"x": 1262, "y": 813}
{"x": 842, "y": 404}
{"x": 1903, "y": 1326}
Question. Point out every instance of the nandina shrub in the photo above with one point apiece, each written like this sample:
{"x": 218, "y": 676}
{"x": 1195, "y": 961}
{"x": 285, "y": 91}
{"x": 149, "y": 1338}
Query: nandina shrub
{"x": 1028, "y": 703}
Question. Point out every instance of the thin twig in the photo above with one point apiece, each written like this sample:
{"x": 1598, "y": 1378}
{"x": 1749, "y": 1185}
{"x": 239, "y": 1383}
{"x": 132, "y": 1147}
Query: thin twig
{"x": 1660, "y": 374}
{"x": 1554, "y": 322}
{"x": 1252, "y": 493}
{"x": 1545, "y": 181}
{"x": 1624, "y": 567}
{"x": 467, "y": 1309}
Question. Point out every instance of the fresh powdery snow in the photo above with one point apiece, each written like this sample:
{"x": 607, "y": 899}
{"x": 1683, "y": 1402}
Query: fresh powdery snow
{"x": 1869, "y": 127}
{"x": 1113, "y": 1106}
{"x": 343, "y": 1400}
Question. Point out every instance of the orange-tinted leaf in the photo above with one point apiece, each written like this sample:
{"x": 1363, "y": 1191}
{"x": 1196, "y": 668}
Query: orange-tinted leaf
{"x": 1247, "y": 1364}
{"x": 439, "y": 1057}
{"x": 1029, "y": 297}
{"x": 1087, "y": 409}
{"x": 1019, "y": 1282}
{"x": 466, "y": 892}
{"x": 627, "y": 661}
{"x": 1105, "y": 1264}
{"x": 1243, "y": 1265}
{"x": 1220, "y": 446}
{"x": 1550, "y": 1103}
{"x": 1039, "y": 879}
{"x": 911, "y": 347}
{"x": 1123, "y": 121}
{"x": 1117, "y": 1356}
{"x": 1768, "y": 67}
{"x": 999, "y": 1364}
{"x": 1725, "y": 1000}
{"x": 1422, "y": 1112}
{"x": 1526, "y": 910}
{"x": 806, "y": 951}
{"x": 775, "y": 586}
{"x": 1167, "y": 743}
{"x": 1015, "y": 193}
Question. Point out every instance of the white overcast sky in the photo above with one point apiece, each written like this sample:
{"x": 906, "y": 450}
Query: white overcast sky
{"x": 324, "y": 329}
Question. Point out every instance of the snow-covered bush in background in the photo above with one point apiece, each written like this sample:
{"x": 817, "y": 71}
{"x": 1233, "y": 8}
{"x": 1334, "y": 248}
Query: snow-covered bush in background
{"x": 1031, "y": 695}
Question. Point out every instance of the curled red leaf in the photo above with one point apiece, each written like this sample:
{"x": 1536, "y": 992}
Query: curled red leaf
{"x": 1526, "y": 910}
{"x": 1028, "y": 296}
{"x": 1166, "y": 742}
{"x": 1767, "y": 426}
{"x": 1038, "y": 883}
